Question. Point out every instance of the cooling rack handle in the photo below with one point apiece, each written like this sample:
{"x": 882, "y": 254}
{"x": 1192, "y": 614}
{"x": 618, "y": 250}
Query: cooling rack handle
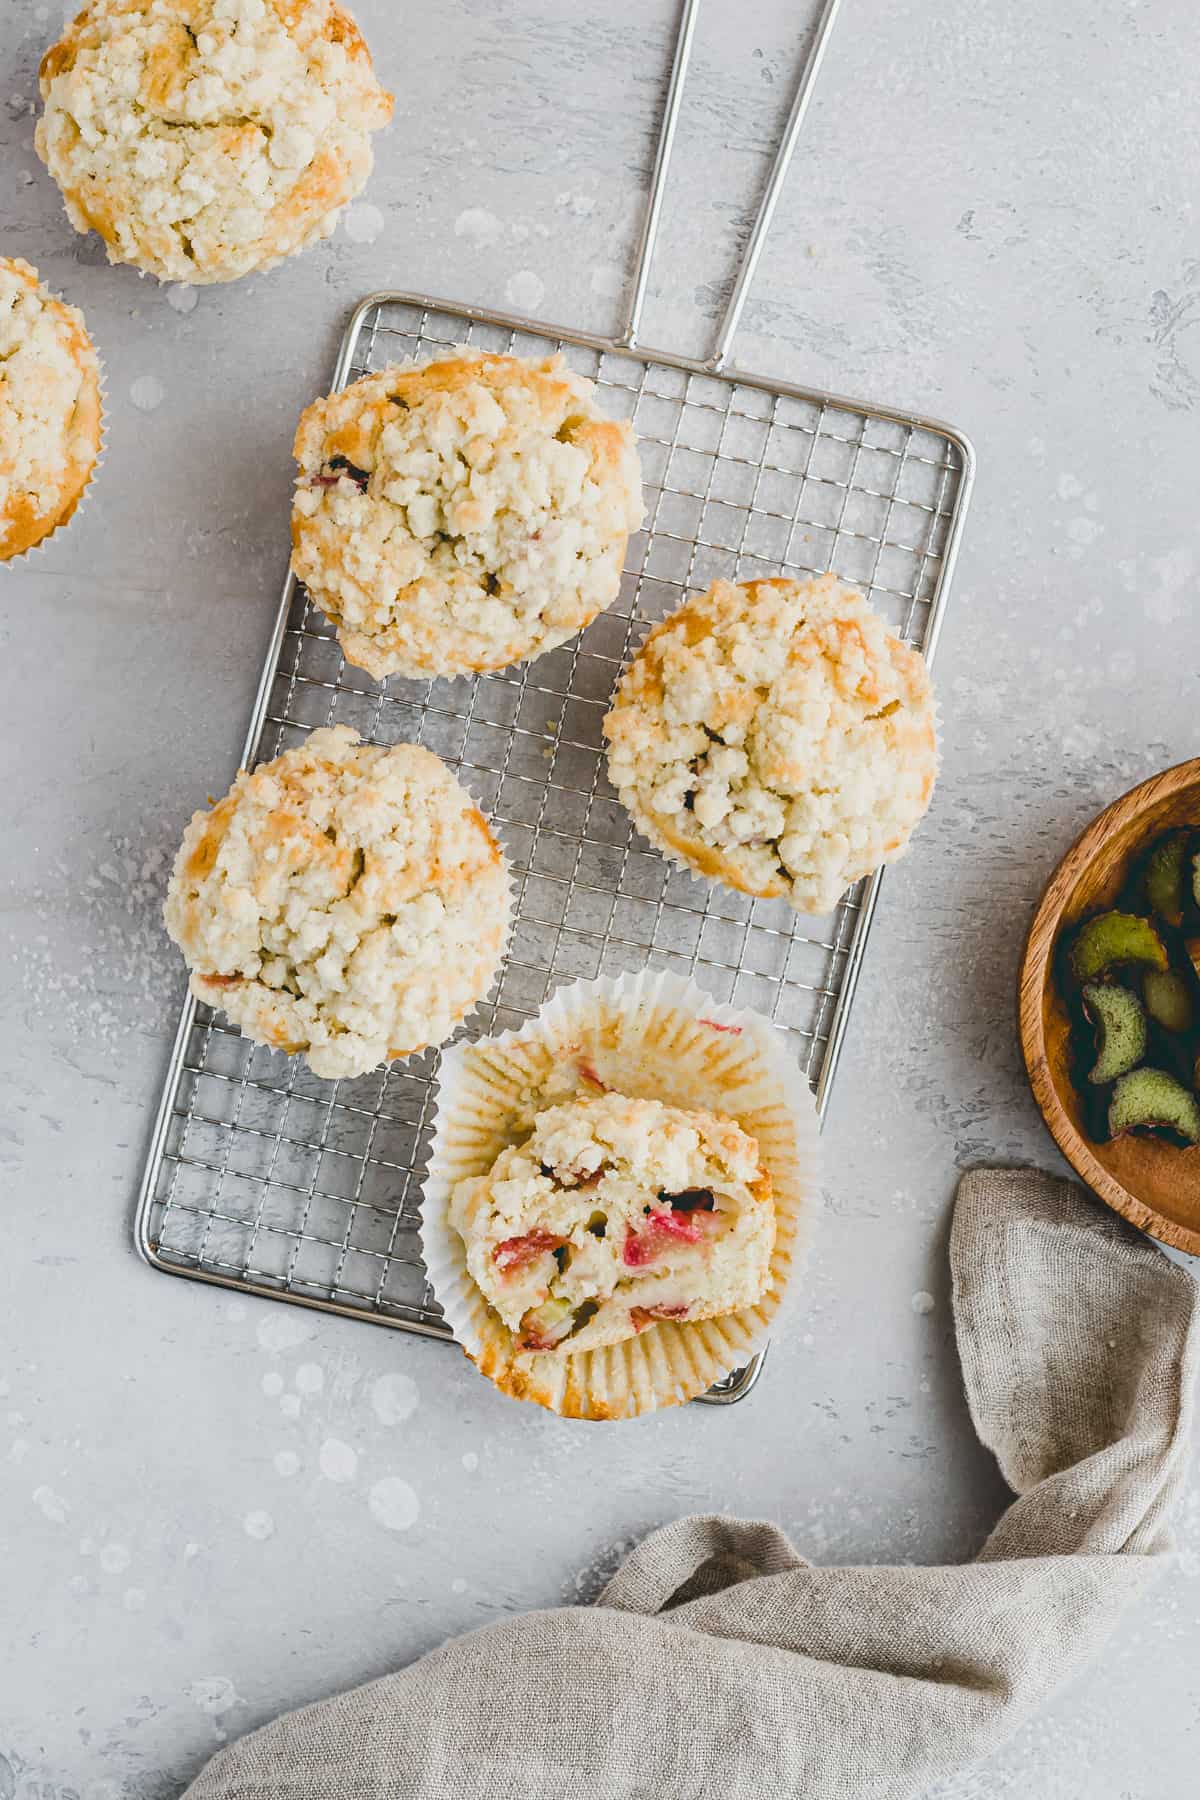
{"x": 766, "y": 210}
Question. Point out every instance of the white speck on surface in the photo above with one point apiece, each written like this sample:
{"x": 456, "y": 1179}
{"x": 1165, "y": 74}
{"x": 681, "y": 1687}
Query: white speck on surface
{"x": 182, "y": 298}
{"x": 525, "y": 290}
{"x": 51, "y": 1505}
{"x": 1084, "y": 530}
{"x": 394, "y": 1398}
{"x": 87, "y": 1546}
{"x": 310, "y": 1378}
{"x": 458, "y": 1585}
{"x": 393, "y": 1504}
{"x": 289, "y": 1406}
{"x": 18, "y": 1450}
{"x": 213, "y": 1694}
{"x": 147, "y": 393}
{"x": 286, "y": 1462}
{"x": 258, "y": 1525}
{"x": 470, "y": 1461}
{"x": 115, "y": 1559}
{"x": 134, "y": 1600}
{"x": 283, "y": 1329}
{"x": 272, "y": 1383}
{"x": 338, "y": 1460}
{"x": 191, "y": 1550}
{"x": 477, "y": 226}
{"x": 362, "y": 222}
{"x": 923, "y": 1302}
{"x": 1166, "y": 599}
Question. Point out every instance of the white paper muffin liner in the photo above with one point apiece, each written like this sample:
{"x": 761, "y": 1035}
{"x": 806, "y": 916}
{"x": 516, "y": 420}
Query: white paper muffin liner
{"x": 653, "y": 1036}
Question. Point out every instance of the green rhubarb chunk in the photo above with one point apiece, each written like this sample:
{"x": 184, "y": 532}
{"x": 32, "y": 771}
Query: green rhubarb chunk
{"x": 1165, "y": 876}
{"x": 1112, "y": 938}
{"x": 546, "y": 1325}
{"x": 1168, "y": 999}
{"x": 1152, "y": 1100}
{"x": 1120, "y": 1021}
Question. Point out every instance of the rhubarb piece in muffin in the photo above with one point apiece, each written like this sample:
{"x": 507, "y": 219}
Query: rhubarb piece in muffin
{"x": 345, "y": 901}
{"x": 206, "y": 139}
{"x": 615, "y": 1215}
{"x": 776, "y": 737}
{"x": 462, "y": 514}
{"x": 49, "y": 409}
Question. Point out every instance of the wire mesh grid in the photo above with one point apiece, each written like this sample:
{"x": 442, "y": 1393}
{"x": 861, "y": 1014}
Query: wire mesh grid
{"x": 267, "y": 1178}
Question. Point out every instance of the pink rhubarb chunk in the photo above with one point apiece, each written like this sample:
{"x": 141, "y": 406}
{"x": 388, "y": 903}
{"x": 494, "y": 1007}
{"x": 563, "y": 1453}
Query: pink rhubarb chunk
{"x": 641, "y": 1316}
{"x": 518, "y": 1252}
{"x": 659, "y": 1229}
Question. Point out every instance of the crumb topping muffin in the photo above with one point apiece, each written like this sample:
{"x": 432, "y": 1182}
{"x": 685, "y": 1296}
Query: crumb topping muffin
{"x": 49, "y": 409}
{"x": 615, "y": 1215}
{"x": 776, "y": 737}
{"x": 205, "y": 139}
{"x": 462, "y": 514}
{"x": 345, "y": 901}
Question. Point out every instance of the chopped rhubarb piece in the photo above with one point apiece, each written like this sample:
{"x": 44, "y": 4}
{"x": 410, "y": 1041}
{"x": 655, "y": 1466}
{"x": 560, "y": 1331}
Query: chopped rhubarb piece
{"x": 547, "y": 1325}
{"x": 690, "y": 1200}
{"x": 343, "y": 466}
{"x": 643, "y": 1246}
{"x": 714, "y": 1025}
{"x": 340, "y": 466}
{"x": 588, "y": 1074}
{"x": 223, "y": 980}
{"x": 641, "y": 1316}
{"x": 518, "y": 1252}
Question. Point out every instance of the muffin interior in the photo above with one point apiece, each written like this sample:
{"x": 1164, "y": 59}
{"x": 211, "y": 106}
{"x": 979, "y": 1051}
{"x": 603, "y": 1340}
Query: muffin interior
{"x": 614, "y": 1215}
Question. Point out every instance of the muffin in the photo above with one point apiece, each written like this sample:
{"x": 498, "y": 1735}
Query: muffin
{"x": 207, "y": 139}
{"x": 775, "y": 737}
{"x": 617, "y": 1195}
{"x": 615, "y": 1214}
{"x": 50, "y": 412}
{"x": 345, "y": 901}
{"x": 462, "y": 514}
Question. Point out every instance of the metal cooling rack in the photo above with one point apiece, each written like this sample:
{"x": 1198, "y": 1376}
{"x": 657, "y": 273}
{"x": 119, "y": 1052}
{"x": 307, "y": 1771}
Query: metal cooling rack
{"x": 263, "y": 1178}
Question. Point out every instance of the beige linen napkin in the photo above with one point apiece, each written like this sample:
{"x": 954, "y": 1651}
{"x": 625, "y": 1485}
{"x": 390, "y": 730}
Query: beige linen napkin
{"x": 719, "y": 1665}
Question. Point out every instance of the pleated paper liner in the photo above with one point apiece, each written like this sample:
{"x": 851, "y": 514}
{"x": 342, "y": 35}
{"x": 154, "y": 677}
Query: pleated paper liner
{"x": 652, "y": 1036}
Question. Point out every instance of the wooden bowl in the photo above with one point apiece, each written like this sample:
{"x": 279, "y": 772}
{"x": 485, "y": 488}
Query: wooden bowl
{"x": 1154, "y": 1184}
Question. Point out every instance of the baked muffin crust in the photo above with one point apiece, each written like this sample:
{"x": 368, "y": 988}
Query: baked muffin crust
{"x": 463, "y": 513}
{"x": 49, "y": 409}
{"x": 776, "y": 737}
{"x": 206, "y": 139}
{"x": 345, "y": 901}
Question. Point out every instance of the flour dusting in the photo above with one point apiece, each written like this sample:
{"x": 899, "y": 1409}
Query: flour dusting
{"x": 393, "y": 1504}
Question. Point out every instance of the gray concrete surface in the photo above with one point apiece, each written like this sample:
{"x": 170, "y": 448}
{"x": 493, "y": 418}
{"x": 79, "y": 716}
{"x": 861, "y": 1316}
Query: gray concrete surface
{"x": 992, "y": 217}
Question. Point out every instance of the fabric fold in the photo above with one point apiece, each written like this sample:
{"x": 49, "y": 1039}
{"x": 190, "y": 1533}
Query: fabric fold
{"x": 719, "y": 1665}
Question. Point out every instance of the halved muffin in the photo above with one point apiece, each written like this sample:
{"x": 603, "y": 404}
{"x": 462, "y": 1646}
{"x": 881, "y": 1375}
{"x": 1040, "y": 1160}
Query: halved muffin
{"x": 614, "y": 1215}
